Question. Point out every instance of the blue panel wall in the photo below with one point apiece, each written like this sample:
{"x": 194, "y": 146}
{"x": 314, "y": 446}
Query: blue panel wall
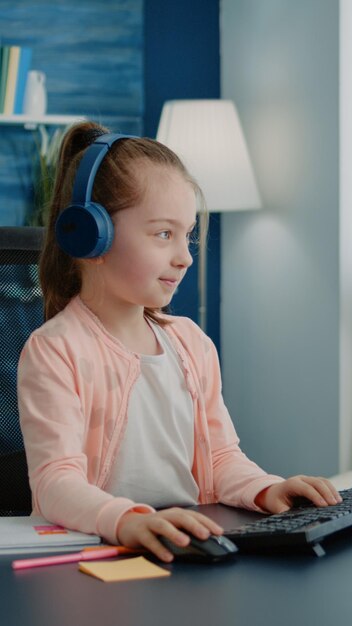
{"x": 92, "y": 54}
{"x": 182, "y": 60}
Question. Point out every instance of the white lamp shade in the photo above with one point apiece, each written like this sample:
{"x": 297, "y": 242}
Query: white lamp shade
{"x": 207, "y": 136}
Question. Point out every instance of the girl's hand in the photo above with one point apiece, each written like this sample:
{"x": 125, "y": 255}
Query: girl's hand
{"x": 138, "y": 529}
{"x": 279, "y": 497}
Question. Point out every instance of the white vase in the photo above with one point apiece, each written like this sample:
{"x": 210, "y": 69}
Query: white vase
{"x": 35, "y": 100}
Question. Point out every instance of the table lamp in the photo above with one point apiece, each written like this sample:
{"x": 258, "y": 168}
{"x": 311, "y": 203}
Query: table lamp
{"x": 207, "y": 136}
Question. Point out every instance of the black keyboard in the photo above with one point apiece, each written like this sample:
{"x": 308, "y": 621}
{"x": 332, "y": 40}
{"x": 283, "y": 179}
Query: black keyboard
{"x": 304, "y": 526}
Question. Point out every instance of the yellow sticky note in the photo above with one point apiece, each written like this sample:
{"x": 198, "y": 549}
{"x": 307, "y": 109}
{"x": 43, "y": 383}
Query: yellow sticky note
{"x": 128, "y": 569}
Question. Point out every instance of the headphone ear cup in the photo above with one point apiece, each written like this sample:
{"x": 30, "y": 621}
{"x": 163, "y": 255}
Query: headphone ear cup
{"x": 84, "y": 230}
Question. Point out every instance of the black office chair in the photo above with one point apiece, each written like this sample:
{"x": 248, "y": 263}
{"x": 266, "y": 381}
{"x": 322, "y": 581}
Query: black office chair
{"x": 21, "y": 312}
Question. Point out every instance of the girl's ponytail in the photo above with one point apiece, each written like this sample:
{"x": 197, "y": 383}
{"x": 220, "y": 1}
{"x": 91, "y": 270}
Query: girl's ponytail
{"x": 60, "y": 275}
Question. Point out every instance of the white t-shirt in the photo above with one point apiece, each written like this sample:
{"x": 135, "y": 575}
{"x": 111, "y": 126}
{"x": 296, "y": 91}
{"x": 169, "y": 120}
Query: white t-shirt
{"x": 155, "y": 458}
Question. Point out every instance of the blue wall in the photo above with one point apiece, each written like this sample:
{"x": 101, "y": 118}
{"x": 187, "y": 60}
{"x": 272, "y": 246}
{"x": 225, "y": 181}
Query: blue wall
{"x": 182, "y": 60}
{"x": 92, "y": 55}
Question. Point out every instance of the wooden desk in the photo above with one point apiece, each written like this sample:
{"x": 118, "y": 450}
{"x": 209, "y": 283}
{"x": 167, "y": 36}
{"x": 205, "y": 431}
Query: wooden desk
{"x": 251, "y": 591}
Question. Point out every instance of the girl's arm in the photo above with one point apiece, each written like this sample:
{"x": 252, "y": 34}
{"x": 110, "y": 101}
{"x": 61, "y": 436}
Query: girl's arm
{"x": 54, "y": 431}
{"x": 239, "y": 481}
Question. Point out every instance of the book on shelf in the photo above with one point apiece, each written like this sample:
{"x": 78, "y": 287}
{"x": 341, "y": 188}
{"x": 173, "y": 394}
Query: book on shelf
{"x": 31, "y": 534}
{"x": 23, "y": 69}
{"x": 10, "y": 92}
{"x": 15, "y": 65}
{"x": 1, "y": 55}
{"x": 5, "y": 53}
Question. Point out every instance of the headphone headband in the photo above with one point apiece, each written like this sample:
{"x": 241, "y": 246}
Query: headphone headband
{"x": 84, "y": 229}
{"x": 89, "y": 165}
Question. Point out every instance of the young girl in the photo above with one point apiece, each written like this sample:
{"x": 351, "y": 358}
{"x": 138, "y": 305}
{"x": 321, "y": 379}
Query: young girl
{"x": 120, "y": 404}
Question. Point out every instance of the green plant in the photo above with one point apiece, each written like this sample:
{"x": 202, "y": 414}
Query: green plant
{"x": 43, "y": 172}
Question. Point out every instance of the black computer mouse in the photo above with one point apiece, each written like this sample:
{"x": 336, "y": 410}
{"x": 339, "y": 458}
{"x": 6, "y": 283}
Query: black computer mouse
{"x": 215, "y": 548}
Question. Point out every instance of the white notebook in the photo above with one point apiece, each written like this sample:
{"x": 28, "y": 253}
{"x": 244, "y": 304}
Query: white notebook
{"x": 34, "y": 534}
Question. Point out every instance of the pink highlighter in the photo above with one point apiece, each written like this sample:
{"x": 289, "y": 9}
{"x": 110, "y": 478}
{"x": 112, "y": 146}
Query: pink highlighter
{"x": 85, "y": 555}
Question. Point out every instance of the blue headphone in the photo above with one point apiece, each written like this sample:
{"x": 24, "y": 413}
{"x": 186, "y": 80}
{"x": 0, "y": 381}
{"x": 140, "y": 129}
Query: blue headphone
{"x": 84, "y": 229}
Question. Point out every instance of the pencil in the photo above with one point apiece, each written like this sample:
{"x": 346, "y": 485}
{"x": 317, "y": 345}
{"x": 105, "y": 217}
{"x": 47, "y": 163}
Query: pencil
{"x": 73, "y": 557}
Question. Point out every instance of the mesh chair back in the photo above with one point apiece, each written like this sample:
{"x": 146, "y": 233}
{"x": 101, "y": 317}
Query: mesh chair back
{"x": 21, "y": 312}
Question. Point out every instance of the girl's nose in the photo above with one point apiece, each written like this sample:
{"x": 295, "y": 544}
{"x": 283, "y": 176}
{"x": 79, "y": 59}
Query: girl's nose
{"x": 183, "y": 256}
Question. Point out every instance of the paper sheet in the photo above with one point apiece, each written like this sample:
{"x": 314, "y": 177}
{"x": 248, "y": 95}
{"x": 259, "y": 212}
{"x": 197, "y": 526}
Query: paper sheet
{"x": 127, "y": 569}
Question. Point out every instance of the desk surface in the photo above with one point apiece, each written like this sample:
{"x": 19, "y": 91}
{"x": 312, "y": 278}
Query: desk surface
{"x": 251, "y": 591}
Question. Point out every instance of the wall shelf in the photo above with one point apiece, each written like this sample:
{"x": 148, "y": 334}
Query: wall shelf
{"x": 31, "y": 122}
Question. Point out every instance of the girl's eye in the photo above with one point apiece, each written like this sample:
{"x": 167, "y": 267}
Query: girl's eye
{"x": 164, "y": 234}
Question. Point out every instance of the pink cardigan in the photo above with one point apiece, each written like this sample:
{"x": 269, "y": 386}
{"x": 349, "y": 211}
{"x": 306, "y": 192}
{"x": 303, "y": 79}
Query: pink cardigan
{"x": 74, "y": 382}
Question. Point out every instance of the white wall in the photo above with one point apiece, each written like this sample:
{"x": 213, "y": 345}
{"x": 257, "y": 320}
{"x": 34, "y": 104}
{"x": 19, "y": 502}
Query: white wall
{"x": 280, "y": 267}
{"x": 345, "y": 235}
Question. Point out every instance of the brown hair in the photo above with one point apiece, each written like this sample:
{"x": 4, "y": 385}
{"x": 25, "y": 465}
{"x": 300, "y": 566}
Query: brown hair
{"x": 60, "y": 274}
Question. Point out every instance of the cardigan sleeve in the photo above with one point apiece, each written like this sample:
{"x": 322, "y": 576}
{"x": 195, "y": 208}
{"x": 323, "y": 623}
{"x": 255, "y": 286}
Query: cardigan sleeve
{"x": 223, "y": 472}
{"x": 237, "y": 479}
{"x": 53, "y": 427}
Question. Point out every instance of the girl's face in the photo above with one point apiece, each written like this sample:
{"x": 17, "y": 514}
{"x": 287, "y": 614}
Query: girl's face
{"x": 150, "y": 252}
